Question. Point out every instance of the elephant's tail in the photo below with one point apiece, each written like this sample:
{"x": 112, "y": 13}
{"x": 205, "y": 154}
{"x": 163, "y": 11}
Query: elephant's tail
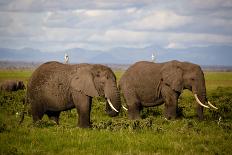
{"x": 23, "y": 112}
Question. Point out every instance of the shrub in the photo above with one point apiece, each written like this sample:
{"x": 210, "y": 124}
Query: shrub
{"x": 222, "y": 98}
{"x": 12, "y": 102}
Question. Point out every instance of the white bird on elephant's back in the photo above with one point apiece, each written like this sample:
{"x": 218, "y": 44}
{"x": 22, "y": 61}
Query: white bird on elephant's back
{"x": 66, "y": 58}
{"x": 153, "y": 57}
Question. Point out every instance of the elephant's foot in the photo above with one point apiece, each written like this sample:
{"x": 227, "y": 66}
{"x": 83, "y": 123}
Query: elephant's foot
{"x": 37, "y": 117}
{"x": 134, "y": 112}
{"x": 84, "y": 125}
{"x": 134, "y": 115}
{"x": 84, "y": 121}
{"x": 170, "y": 112}
{"x": 200, "y": 113}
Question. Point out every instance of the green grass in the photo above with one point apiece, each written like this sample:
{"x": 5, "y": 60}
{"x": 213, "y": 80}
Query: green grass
{"x": 15, "y": 74}
{"x": 218, "y": 79}
{"x": 151, "y": 135}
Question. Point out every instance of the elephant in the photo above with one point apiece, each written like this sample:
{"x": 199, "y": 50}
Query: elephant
{"x": 55, "y": 87}
{"x": 12, "y": 85}
{"x": 147, "y": 84}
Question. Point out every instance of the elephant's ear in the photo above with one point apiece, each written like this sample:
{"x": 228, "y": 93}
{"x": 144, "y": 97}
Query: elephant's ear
{"x": 172, "y": 75}
{"x": 83, "y": 82}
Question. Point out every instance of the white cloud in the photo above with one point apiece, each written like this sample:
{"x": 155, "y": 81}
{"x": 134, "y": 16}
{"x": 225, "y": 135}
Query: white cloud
{"x": 96, "y": 13}
{"x": 175, "y": 45}
{"x": 159, "y": 20}
{"x": 105, "y": 24}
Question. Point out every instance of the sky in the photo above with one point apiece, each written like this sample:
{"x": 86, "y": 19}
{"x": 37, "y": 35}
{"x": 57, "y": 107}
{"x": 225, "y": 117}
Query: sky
{"x": 56, "y": 25}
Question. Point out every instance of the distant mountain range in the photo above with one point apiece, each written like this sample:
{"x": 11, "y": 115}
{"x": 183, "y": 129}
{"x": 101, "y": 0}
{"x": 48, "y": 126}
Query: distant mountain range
{"x": 212, "y": 55}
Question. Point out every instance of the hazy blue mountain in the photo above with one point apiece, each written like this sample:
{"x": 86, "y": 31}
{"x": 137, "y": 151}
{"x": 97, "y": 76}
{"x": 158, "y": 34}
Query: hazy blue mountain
{"x": 27, "y": 54}
{"x": 212, "y": 55}
{"x": 104, "y": 58}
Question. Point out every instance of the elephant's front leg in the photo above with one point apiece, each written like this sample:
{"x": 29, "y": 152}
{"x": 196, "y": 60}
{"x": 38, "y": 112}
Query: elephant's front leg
{"x": 134, "y": 108}
{"x": 83, "y": 106}
{"x": 171, "y": 98}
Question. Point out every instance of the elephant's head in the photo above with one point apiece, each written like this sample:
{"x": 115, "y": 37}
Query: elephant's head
{"x": 99, "y": 80}
{"x": 184, "y": 75}
{"x": 20, "y": 85}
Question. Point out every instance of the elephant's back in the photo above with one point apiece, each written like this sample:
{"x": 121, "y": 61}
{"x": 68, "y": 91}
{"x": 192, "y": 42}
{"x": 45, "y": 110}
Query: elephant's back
{"x": 139, "y": 74}
{"x": 44, "y": 71}
{"x": 8, "y": 85}
{"x": 46, "y": 75}
{"x": 141, "y": 69}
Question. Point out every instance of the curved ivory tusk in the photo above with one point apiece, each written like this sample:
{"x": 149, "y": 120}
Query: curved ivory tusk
{"x": 199, "y": 102}
{"x": 124, "y": 108}
{"x": 111, "y": 105}
{"x": 212, "y": 105}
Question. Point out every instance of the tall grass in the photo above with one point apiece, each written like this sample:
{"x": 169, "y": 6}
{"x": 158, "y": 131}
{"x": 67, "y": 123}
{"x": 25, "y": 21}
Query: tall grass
{"x": 151, "y": 135}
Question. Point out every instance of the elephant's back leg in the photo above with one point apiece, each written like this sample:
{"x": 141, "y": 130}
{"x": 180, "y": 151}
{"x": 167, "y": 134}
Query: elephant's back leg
{"x": 37, "y": 111}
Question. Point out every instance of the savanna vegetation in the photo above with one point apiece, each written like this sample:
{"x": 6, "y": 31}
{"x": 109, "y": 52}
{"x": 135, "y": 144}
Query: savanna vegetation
{"x": 151, "y": 135}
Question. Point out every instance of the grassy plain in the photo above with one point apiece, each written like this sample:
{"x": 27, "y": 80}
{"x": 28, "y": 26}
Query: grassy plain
{"x": 151, "y": 135}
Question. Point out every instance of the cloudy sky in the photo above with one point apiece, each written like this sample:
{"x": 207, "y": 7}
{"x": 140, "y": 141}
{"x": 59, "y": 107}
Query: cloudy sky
{"x": 56, "y": 25}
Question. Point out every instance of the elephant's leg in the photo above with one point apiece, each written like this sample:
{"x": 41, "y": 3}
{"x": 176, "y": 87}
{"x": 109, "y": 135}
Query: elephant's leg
{"x": 199, "y": 110}
{"x": 171, "y": 99}
{"x": 134, "y": 111}
{"x": 54, "y": 116}
{"x": 170, "y": 111}
{"x": 83, "y": 106}
{"x": 134, "y": 108}
{"x": 37, "y": 112}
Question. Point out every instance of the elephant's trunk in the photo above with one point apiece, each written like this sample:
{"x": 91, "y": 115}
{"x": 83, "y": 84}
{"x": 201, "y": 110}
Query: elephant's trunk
{"x": 200, "y": 93}
{"x": 113, "y": 104}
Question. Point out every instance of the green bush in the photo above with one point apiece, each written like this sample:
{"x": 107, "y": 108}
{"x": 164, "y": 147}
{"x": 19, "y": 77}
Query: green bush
{"x": 12, "y": 102}
{"x": 222, "y": 99}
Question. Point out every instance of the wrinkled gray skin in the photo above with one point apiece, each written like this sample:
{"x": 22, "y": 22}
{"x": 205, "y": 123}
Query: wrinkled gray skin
{"x": 147, "y": 84}
{"x": 12, "y": 85}
{"x": 56, "y": 87}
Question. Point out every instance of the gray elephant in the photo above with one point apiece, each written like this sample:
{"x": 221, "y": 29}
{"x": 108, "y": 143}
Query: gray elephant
{"x": 12, "y": 85}
{"x": 56, "y": 87}
{"x": 146, "y": 84}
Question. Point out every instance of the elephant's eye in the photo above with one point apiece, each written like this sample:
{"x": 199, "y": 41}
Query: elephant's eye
{"x": 192, "y": 79}
{"x": 102, "y": 82}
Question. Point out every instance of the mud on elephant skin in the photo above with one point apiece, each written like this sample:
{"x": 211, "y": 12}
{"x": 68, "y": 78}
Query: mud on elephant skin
{"x": 56, "y": 87}
{"x": 12, "y": 85}
{"x": 146, "y": 84}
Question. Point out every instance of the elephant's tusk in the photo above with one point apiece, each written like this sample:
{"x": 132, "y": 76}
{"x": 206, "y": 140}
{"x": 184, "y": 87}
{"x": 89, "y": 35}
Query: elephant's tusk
{"x": 199, "y": 102}
{"x": 212, "y": 105}
{"x": 124, "y": 108}
{"x": 111, "y": 105}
